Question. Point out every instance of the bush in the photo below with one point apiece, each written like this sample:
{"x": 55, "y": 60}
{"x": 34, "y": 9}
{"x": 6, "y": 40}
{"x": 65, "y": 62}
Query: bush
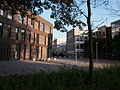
{"x": 64, "y": 79}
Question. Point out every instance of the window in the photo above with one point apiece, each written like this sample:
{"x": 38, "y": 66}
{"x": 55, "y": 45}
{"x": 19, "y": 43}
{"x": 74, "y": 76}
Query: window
{"x": 1, "y": 12}
{"x": 29, "y": 33}
{"x": 43, "y": 27}
{"x": 23, "y": 35}
{"x": 34, "y": 37}
{"x": 32, "y": 23}
{"x": 9, "y": 31}
{"x": 9, "y": 16}
{"x": 27, "y": 20}
{"x": 81, "y": 46}
{"x": 17, "y": 52}
{"x": 24, "y": 51}
{"x": 37, "y": 39}
{"x": 1, "y": 29}
{"x": 77, "y": 46}
{"x": 20, "y": 19}
{"x": 30, "y": 52}
{"x": 17, "y": 33}
{"x": 37, "y": 52}
{"x": 38, "y": 25}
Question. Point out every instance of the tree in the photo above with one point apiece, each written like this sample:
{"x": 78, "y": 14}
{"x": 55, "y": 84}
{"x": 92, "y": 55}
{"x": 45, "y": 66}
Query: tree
{"x": 116, "y": 47}
{"x": 65, "y": 12}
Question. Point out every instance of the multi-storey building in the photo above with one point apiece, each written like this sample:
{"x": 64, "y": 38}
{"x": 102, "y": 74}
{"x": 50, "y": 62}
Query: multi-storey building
{"x": 105, "y": 32}
{"x": 59, "y": 46}
{"x": 24, "y": 38}
{"x": 75, "y": 42}
{"x": 115, "y": 26}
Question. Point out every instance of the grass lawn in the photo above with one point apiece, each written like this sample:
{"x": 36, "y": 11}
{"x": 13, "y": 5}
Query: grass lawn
{"x": 74, "y": 79}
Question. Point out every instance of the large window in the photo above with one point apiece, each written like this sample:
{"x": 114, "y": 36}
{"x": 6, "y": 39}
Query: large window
{"x": 1, "y": 29}
{"x": 24, "y": 51}
{"x": 38, "y": 25}
{"x": 17, "y": 52}
{"x": 34, "y": 38}
{"x": 23, "y": 35}
{"x": 17, "y": 33}
{"x": 30, "y": 52}
{"x": 43, "y": 27}
{"x": 9, "y": 16}
{"x": 32, "y": 23}
{"x": 37, "y": 39}
{"x": 1, "y": 12}
{"x": 37, "y": 52}
{"x": 9, "y": 31}
{"x": 20, "y": 19}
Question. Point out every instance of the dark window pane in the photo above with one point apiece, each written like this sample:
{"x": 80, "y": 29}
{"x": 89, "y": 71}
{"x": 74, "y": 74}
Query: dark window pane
{"x": 37, "y": 52}
{"x": 9, "y": 31}
{"x": 23, "y": 35}
{"x": 17, "y": 33}
{"x": 1, "y": 29}
{"x": 37, "y": 39}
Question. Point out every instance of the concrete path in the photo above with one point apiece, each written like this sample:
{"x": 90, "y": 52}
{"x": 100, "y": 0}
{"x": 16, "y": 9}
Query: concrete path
{"x": 23, "y": 67}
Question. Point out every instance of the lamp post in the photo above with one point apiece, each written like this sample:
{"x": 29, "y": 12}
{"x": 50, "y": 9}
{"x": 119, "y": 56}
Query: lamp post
{"x": 75, "y": 53}
{"x": 96, "y": 50}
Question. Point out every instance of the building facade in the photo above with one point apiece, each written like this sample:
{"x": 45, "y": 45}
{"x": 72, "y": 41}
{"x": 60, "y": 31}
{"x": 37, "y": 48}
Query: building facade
{"x": 75, "y": 42}
{"x": 24, "y": 38}
{"x": 59, "y": 46}
{"x": 115, "y": 26}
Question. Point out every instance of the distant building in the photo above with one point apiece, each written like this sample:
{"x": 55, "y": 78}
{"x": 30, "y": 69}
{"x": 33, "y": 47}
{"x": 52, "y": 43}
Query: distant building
{"x": 115, "y": 26}
{"x": 24, "y": 38}
{"x": 105, "y": 32}
{"x": 75, "y": 42}
{"x": 59, "y": 46}
{"x": 104, "y": 39}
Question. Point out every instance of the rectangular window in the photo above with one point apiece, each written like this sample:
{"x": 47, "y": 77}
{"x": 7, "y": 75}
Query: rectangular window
{"x": 81, "y": 46}
{"x": 9, "y": 31}
{"x": 1, "y": 12}
{"x": 9, "y": 16}
{"x": 77, "y": 46}
{"x": 34, "y": 37}
{"x": 20, "y": 19}
{"x": 23, "y": 35}
{"x": 17, "y": 33}
{"x": 43, "y": 27}
{"x": 32, "y": 23}
{"x": 37, "y": 52}
{"x": 38, "y": 25}
{"x": 29, "y": 34}
{"x": 37, "y": 39}
{"x": 1, "y": 29}
{"x": 17, "y": 52}
{"x": 30, "y": 52}
{"x": 24, "y": 51}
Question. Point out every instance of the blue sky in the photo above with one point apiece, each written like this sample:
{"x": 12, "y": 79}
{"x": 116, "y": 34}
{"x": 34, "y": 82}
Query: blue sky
{"x": 97, "y": 14}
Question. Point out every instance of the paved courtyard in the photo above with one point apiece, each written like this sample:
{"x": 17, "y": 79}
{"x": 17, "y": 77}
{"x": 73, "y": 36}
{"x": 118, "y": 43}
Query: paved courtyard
{"x": 22, "y": 67}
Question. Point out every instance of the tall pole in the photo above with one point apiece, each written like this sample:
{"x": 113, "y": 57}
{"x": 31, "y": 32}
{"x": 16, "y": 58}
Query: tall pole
{"x": 96, "y": 50}
{"x": 75, "y": 52}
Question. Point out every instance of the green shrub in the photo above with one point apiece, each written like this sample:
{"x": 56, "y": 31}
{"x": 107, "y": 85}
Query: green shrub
{"x": 65, "y": 79}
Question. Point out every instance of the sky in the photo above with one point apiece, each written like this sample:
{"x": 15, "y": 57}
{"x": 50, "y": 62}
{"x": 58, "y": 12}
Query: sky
{"x": 97, "y": 14}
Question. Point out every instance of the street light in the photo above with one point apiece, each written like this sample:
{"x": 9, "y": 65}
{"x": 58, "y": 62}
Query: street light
{"x": 96, "y": 50}
{"x": 75, "y": 53}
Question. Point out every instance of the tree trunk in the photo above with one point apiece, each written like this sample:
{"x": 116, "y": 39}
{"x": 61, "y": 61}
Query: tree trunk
{"x": 90, "y": 41}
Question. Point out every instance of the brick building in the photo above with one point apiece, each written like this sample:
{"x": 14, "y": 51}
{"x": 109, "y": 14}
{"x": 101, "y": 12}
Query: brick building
{"x": 24, "y": 38}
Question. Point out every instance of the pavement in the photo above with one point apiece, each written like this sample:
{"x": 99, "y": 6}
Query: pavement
{"x": 24, "y": 67}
